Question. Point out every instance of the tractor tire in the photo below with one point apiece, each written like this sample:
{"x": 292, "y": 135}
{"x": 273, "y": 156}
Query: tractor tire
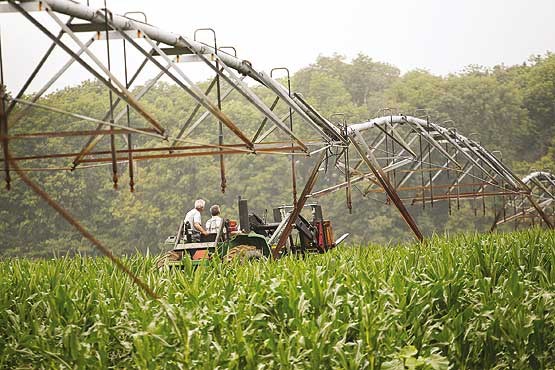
{"x": 243, "y": 253}
{"x": 167, "y": 257}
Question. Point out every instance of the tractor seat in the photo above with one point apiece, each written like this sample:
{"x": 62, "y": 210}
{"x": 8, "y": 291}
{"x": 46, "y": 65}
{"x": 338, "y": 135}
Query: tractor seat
{"x": 189, "y": 236}
{"x": 208, "y": 238}
{"x": 211, "y": 237}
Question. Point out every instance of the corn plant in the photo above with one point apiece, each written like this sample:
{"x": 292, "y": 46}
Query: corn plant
{"x": 467, "y": 302}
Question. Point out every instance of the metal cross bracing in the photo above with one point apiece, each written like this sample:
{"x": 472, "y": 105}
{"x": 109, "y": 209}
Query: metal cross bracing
{"x": 406, "y": 160}
{"x": 521, "y": 212}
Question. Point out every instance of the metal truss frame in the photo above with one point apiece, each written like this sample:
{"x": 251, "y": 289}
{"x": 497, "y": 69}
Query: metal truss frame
{"x": 520, "y": 211}
{"x": 433, "y": 164}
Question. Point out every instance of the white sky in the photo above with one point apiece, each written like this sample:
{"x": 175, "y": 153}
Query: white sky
{"x": 441, "y": 36}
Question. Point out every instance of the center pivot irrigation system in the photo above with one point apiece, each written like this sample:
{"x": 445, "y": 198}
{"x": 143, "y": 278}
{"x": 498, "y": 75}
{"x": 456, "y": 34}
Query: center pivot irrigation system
{"x": 402, "y": 159}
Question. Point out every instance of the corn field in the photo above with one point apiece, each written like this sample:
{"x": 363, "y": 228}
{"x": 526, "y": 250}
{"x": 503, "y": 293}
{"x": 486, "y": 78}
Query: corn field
{"x": 469, "y": 302}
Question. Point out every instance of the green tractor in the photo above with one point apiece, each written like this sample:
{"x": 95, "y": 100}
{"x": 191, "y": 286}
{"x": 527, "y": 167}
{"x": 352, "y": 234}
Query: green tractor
{"x": 253, "y": 239}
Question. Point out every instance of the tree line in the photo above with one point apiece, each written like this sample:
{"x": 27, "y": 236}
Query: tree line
{"x": 511, "y": 107}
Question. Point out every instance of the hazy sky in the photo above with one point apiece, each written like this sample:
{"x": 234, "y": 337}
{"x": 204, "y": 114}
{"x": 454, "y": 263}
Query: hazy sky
{"x": 441, "y": 36}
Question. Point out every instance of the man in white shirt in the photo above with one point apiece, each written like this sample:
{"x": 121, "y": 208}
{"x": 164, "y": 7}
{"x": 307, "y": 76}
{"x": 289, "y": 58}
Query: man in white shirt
{"x": 194, "y": 219}
{"x": 214, "y": 224}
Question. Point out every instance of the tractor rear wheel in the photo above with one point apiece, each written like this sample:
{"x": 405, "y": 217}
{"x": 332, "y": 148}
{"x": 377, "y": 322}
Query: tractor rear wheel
{"x": 166, "y": 258}
{"x": 243, "y": 253}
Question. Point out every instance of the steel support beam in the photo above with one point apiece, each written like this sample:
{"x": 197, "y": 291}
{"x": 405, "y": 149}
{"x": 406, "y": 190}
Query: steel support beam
{"x": 268, "y": 132}
{"x": 540, "y": 211}
{"x": 271, "y": 147}
{"x": 465, "y": 195}
{"x": 39, "y": 135}
{"x": 4, "y": 131}
{"x": 398, "y": 139}
{"x": 366, "y": 154}
{"x": 264, "y": 120}
{"x": 423, "y": 156}
{"x": 277, "y": 150}
{"x": 298, "y": 207}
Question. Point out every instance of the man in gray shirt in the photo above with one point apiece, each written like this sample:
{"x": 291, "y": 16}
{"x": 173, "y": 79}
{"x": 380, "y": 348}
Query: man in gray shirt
{"x": 213, "y": 225}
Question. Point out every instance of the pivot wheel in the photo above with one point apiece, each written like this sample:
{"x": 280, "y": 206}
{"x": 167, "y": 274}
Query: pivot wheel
{"x": 243, "y": 253}
{"x": 167, "y": 258}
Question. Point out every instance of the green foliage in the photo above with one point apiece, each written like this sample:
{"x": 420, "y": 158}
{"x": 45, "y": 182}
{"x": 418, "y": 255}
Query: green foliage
{"x": 472, "y": 302}
{"x": 539, "y": 96}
